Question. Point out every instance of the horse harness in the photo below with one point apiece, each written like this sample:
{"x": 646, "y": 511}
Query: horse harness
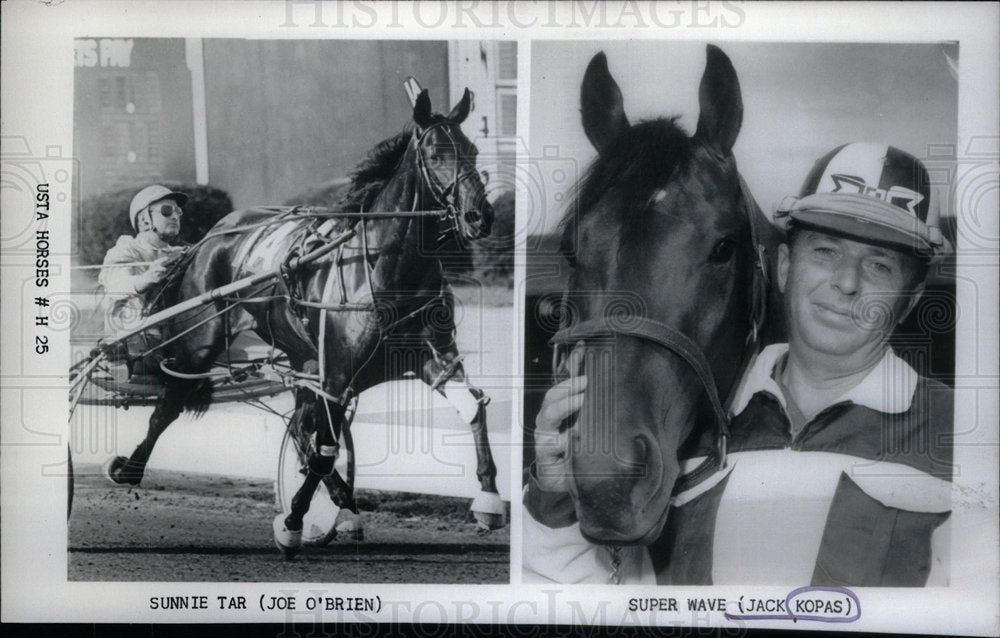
{"x": 672, "y": 339}
{"x": 445, "y": 196}
{"x": 313, "y": 235}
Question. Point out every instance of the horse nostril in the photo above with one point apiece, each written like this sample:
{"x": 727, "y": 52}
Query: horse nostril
{"x": 472, "y": 216}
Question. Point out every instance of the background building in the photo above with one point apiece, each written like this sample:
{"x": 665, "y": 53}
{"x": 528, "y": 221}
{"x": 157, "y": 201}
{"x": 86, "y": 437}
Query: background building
{"x": 265, "y": 120}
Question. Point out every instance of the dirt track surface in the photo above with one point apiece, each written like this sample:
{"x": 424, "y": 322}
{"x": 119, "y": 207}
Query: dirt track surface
{"x": 189, "y": 528}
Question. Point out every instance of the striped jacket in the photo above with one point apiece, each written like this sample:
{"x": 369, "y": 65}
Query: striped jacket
{"x": 860, "y": 497}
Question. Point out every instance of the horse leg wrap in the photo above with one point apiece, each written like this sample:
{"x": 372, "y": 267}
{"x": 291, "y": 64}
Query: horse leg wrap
{"x": 489, "y": 510}
{"x": 462, "y": 398}
{"x": 287, "y": 540}
{"x": 349, "y": 525}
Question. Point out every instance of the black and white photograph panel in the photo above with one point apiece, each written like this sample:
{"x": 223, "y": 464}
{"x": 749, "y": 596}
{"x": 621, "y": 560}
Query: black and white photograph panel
{"x": 293, "y": 278}
{"x": 740, "y": 315}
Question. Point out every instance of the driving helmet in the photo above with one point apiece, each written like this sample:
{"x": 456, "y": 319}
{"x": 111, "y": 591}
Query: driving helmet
{"x": 147, "y": 196}
{"x": 873, "y": 193}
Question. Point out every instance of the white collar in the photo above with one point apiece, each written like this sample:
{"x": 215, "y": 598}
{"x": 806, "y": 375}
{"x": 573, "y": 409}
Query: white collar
{"x": 887, "y": 388}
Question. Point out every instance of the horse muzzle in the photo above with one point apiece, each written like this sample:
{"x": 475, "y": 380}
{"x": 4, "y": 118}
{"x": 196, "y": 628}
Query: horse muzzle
{"x": 622, "y": 495}
{"x": 477, "y": 223}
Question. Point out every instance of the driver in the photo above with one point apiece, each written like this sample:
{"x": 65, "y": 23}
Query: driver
{"x": 135, "y": 265}
{"x": 840, "y": 464}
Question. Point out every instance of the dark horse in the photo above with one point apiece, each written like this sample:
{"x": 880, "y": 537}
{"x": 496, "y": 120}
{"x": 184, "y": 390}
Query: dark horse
{"x": 668, "y": 290}
{"x": 373, "y": 309}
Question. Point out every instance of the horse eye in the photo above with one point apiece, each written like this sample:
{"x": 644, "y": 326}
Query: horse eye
{"x": 723, "y": 251}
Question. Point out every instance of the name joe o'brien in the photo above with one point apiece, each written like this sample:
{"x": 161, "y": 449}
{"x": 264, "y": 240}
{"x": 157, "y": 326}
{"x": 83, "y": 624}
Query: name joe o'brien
{"x": 268, "y": 603}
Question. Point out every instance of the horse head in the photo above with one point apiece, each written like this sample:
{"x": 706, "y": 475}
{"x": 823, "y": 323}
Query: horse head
{"x": 661, "y": 247}
{"x": 447, "y": 161}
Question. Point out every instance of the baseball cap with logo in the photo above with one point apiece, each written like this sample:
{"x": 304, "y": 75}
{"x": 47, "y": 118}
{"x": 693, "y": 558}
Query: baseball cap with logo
{"x": 871, "y": 192}
{"x": 151, "y": 194}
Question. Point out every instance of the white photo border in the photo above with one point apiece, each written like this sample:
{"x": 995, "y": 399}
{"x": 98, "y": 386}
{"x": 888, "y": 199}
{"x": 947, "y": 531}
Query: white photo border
{"x": 37, "y": 99}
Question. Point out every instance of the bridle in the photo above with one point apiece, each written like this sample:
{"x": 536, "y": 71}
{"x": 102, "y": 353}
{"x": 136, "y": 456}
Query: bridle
{"x": 672, "y": 339}
{"x": 445, "y": 195}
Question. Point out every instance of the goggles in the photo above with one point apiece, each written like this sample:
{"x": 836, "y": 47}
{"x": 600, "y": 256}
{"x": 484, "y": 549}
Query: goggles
{"x": 167, "y": 210}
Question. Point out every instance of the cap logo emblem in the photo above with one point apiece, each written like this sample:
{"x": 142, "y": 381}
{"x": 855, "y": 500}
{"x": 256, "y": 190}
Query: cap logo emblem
{"x": 895, "y": 195}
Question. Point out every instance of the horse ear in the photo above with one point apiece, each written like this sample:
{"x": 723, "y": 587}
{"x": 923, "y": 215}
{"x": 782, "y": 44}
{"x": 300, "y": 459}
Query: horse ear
{"x": 461, "y": 110}
{"x": 721, "y": 105}
{"x": 422, "y": 110}
{"x": 601, "y": 104}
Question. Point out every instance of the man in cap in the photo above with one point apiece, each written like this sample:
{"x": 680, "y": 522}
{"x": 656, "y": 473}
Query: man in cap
{"x": 135, "y": 265}
{"x": 840, "y": 462}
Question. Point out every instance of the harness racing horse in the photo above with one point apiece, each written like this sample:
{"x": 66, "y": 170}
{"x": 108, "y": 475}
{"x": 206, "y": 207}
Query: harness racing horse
{"x": 668, "y": 289}
{"x": 374, "y": 308}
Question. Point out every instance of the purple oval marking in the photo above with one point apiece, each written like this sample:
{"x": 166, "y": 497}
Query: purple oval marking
{"x": 790, "y": 615}
{"x": 839, "y": 590}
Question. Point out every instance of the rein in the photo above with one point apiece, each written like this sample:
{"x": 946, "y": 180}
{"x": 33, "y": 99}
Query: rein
{"x": 672, "y": 339}
{"x": 444, "y": 195}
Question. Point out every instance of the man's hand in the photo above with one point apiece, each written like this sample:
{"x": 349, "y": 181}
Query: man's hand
{"x": 562, "y": 401}
{"x": 155, "y": 273}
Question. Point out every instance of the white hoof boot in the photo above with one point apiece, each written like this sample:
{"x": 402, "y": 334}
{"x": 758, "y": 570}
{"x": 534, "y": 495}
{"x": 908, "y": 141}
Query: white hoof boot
{"x": 288, "y": 541}
{"x": 489, "y": 510}
{"x": 349, "y": 525}
{"x": 462, "y": 399}
{"x": 109, "y": 467}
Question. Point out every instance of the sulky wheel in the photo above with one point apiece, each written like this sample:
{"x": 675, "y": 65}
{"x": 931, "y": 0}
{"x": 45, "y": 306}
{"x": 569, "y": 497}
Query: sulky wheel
{"x": 319, "y": 523}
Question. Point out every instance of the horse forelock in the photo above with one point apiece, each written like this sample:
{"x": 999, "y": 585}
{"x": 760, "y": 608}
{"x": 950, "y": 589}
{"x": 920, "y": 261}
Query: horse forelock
{"x": 642, "y": 159}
